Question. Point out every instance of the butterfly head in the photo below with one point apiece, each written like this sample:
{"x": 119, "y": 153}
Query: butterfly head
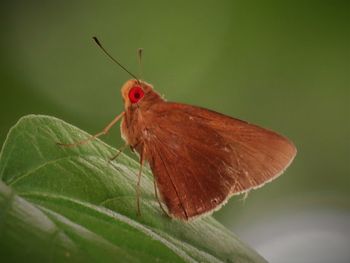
{"x": 137, "y": 92}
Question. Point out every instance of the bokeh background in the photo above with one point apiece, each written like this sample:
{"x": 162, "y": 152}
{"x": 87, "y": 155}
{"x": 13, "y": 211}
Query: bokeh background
{"x": 284, "y": 65}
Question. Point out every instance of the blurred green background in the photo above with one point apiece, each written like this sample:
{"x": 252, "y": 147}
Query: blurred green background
{"x": 284, "y": 65}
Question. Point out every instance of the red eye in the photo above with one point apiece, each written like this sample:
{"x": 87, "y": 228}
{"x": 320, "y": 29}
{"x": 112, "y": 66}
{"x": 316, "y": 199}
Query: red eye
{"x": 135, "y": 94}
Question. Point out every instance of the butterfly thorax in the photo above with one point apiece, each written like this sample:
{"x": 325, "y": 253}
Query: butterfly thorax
{"x": 138, "y": 115}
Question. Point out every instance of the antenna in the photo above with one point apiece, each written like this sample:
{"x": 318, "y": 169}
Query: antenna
{"x": 139, "y": 56}
{"x": 113, "y": 59}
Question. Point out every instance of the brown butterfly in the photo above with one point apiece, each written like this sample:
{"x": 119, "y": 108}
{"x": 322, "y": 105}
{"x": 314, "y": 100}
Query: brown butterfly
{"x": 199, "y": 158}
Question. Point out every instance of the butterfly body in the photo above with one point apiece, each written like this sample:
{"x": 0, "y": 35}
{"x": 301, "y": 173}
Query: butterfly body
{"x": 199, "y": 158}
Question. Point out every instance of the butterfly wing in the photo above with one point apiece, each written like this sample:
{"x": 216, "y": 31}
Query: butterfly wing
{"x": 200, "y": 158}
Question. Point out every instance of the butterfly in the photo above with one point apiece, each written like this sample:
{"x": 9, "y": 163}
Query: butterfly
{"x": 199, "y": 158}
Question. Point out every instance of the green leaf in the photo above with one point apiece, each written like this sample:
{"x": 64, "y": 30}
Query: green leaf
{"x": 72, "y": 205}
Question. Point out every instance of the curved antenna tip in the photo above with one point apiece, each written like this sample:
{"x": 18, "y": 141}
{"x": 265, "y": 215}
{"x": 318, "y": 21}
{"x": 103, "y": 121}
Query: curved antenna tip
{"x": 96, "y": 40}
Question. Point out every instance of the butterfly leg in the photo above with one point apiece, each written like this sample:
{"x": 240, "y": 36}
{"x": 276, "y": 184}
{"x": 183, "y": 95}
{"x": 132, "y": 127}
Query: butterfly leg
{"x": 93, "y": 137}
{"x": 119, "y": 151}
{"x": 138, "y": 189}
{"x": 156, "y": 194}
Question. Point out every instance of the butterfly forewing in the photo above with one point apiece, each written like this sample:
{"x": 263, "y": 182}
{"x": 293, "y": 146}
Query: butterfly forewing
{"x": 200, "y": 158}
